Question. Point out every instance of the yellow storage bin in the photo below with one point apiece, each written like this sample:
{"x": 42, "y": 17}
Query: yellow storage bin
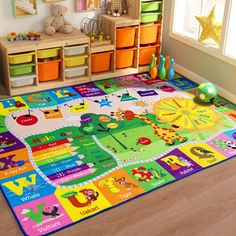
{"x": 52, "y": 52}
{"x": 75, "y": 61}
{"x": 21, "y": 58}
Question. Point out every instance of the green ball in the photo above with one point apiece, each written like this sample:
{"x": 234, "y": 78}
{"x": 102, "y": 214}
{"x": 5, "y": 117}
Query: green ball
{"x": 206, "y": 92}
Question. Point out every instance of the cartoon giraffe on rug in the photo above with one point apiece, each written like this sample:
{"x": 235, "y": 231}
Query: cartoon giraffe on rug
{"x": 168, "y": 135}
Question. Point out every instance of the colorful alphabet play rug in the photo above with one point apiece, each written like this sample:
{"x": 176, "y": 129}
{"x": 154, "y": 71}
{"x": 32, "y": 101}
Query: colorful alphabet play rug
{"x": 69, "y": 153}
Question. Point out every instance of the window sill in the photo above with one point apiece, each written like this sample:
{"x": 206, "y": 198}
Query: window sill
{"x": 215, "y": 52}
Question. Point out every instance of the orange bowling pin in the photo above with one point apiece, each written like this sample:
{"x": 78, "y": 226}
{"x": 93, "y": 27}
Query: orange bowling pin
{"x": 167, "y": 65}
{"x": 154, "y": 71}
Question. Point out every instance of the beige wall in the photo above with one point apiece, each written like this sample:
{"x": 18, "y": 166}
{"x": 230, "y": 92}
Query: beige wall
{"x": 206, "y": 66}
{"x": 10, "y": 23}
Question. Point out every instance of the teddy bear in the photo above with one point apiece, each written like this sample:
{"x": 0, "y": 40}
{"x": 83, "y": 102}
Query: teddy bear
{"x": 56, "y": 22}
{"x": 116, "y": 7}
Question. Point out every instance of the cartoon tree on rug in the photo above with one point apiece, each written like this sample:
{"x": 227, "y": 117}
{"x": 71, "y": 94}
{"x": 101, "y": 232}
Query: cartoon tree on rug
{"x": 93, "y": 124}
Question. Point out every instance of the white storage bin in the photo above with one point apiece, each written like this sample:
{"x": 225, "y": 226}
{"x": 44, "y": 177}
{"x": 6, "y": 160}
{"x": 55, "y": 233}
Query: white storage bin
{"x": 75, "y": 71}
{"x": 23, "y": 80}
{"x": 75, "y": 50}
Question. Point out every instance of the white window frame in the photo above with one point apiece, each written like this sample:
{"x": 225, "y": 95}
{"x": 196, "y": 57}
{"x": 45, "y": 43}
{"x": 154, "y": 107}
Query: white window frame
{"x": 215, "y": 52}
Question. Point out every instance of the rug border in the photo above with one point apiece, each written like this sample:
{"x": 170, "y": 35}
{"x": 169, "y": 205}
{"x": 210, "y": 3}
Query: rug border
{"x": 114, "y": 206}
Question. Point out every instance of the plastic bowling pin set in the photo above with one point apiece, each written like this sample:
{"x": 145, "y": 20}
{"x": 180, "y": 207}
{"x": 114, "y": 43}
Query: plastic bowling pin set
{"x": 165, "y": 69}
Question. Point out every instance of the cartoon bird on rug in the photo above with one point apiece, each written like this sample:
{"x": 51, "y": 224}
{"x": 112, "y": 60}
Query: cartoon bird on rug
{"x": 51, "y": 211}
{"x": 201, "y": 152}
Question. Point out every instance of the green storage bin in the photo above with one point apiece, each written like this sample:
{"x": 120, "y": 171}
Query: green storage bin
{"x": 151, "y": 6}
{"x": 22, "y": 69}
{"x": 150, "y": 17}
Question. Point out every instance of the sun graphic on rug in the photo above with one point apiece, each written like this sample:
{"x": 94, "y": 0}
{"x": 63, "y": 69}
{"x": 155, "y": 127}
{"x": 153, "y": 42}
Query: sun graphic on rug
{"x": 141, "y": 104}
{"x": 186, "y": 114}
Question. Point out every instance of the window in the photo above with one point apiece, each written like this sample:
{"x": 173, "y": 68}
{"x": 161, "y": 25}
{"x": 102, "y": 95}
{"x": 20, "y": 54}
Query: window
{"x": 230, "y": 48}
{"x": 186, "y": 28}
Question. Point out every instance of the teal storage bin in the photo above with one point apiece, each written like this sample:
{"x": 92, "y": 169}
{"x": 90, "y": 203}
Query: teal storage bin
{"x": 22, "y": 69}
{"x": 150, "y": 17}
{"x": 151, "y": 6}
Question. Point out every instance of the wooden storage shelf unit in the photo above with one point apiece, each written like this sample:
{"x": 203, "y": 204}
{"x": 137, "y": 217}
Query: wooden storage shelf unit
{"x": 109, "y": 25}
{"x": 60, "y": 41}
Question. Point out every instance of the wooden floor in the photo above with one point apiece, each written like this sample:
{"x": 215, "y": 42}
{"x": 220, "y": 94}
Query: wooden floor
{"x": 203, "y": 204}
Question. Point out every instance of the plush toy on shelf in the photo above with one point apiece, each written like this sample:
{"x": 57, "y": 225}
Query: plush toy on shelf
{"x": 206, "y": 92}
{"x": 116, "y": 7}
{"x": 57, "y": 22}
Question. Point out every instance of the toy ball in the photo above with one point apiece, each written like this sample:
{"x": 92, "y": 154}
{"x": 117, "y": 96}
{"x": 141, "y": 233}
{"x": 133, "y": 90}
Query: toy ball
{"x": 206, "y": 92}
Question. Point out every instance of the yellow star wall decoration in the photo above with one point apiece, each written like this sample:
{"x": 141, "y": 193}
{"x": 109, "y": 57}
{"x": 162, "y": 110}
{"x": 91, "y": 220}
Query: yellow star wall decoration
{"x": 210, "y": 27}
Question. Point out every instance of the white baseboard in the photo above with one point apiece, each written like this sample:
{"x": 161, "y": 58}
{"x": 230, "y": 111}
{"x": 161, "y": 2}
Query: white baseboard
{"x": 198, "y": 79}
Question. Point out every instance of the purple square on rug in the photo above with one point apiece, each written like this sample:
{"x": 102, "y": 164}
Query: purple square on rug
{"x": 8, "y": 143}
{"x": 178, "y": 164}
{"x": 88, "y": 90}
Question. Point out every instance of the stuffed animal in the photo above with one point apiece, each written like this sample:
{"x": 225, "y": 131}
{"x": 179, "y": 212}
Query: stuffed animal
{"x": 56, "y": 22}
{"x": 26, "y": 6}
{"x": 116, "y": 7}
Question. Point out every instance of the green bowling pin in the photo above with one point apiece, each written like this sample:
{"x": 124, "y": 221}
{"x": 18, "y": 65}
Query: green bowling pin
{"x": 152, "y": 63}
{"x": 162, "y": 72}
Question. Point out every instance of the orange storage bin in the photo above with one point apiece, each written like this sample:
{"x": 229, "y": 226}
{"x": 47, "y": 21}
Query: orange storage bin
{"x": 125, "y": 37}
{"x": 145, "y": 54}
{"x": 124, "y": 58}
{"x": 148, "y": 33}
{"x": 101, "y": 61}
{"x": 48, "y": 70}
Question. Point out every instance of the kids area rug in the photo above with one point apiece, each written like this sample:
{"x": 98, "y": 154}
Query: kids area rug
{"x": 69, "y": 153}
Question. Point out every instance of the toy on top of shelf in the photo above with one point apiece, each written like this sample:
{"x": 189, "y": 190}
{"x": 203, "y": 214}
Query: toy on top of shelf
{"x": 100, "y": 36}
{"x": 33, "y": 36}
{"x": 116, "y": 7}
{"x": 171, "y": 71}
{"x": 92, "y": 28}
{"x": 162, "y": 72}
{"x": 154, "y": 70}
{"x": 12, "y": 36}
{"x": 57, "y": 22}
{"x": 206, "y": 92}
